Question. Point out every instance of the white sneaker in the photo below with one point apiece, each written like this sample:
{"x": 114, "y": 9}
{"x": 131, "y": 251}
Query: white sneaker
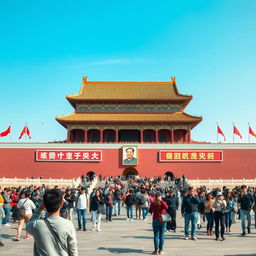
{"x": 128, "y": 219}
{"x": 131, "y": 219}
{"x": 98, "y": 230}
{"x": 186, "y": 237}
{"x": 93, "y": 229}
{"x": 7, "y": 225}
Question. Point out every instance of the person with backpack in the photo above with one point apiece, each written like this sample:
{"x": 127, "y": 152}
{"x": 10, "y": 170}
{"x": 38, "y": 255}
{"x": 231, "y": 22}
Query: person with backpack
{"x": 25, "y": 206}
{"x": 138, "y": 204}
{"x": 144, "y": 203}
{"x": 52, "y": 235}
{"x": 129, "y": 202}
{"x": 70, "y": 199}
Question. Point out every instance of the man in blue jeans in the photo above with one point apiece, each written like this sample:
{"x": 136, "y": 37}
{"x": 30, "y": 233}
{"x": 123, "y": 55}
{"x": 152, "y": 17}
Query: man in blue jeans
{"x": 82, "y": 204}
{"x": 189, "y": 210}
{"x": 246, "y": 203}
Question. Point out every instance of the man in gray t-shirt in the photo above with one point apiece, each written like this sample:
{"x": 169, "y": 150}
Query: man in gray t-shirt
{"x": 53, "y": 235}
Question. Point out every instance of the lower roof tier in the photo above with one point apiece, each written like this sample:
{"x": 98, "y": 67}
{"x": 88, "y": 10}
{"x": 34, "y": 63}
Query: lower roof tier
{"x": 177, "y": 117}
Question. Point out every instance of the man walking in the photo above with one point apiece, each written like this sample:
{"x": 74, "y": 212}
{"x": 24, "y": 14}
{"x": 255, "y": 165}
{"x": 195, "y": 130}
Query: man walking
{"x": 246, "y": 202}
{"x": 189, "y": 210}
{"x": 82, "y": 204}
{"x": 53, "y": 235}
{"x": 173, "y": 205}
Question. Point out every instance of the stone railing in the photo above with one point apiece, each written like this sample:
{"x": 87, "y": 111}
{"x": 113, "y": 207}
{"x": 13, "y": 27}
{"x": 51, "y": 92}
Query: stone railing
{"x": 222, "y": 182}
{"x": 14, "y": 182}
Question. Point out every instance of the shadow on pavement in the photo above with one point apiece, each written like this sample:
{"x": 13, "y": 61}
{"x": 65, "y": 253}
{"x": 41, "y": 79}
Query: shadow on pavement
{"x": 123, "y": 250}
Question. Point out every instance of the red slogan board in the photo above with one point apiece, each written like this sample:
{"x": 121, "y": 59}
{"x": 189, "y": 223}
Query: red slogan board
{"x": 190, "y": 156}
{"x": 69, "y": 155}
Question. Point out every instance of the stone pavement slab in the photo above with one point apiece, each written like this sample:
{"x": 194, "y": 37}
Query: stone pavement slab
{"x": 136, "y": 238}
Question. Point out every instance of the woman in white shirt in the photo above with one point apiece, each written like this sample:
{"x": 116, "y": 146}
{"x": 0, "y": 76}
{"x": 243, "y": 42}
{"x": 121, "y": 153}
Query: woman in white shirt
{"x": 25, "y": 206}
{"x": 219, "y": 206}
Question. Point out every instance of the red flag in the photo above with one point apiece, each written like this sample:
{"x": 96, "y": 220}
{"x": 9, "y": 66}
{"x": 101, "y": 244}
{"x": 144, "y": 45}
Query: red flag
{"x": 221, "y": 132}
{"x": 25, "y": 131}
{"x": 236, "y": 132}
{"x": 252, "y": 132}
{"x": 5, "y": 133}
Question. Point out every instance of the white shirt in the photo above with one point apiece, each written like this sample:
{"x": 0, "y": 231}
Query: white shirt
{"x": 28, "y": 205}
{"x": 82, "y": 201}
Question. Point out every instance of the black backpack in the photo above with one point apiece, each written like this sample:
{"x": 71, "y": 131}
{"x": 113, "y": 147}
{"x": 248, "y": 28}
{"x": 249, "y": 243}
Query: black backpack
{"x": 142, "y": 200}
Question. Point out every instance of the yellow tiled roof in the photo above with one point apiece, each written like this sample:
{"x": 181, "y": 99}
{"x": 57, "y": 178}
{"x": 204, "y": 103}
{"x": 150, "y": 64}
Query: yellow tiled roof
{"x": 128, "y": 91}
{"x": 129, "y": 117}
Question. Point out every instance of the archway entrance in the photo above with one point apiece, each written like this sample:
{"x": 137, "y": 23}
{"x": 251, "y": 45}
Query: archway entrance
{"x": 130, "y": 171}
{"x": 169, "y": 176}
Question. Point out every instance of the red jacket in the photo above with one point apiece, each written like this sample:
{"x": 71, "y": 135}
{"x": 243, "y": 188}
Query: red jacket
{"x": 158, "y": 210}
{"x": 15, "y": 199}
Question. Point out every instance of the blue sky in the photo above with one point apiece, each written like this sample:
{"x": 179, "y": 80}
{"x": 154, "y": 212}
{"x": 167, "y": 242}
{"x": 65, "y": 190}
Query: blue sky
{"x": 47, "y": 46}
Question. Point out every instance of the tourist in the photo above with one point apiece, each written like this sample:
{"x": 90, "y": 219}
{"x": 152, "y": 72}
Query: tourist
{"x": 70, "y": 199}
{"x": 254, "y": 206}
{"x": 2, "y": 215}
{"x": 129, "y": 202}
{"x": 137, "y": 197}
{"x": 158, "y": 207}
{"x": 118, "y": 196}
{"x": 189, "y": 210}
{"x": 7, "y": 206}
{"x": 14, "y": 203}
{"x": 201, "y": 208}
{"x": 97, "y": 209}
{"x": 219, "y": 206}
{"x": 173, "y": 204}
{"x": 82, "y": 204}
{"x": 208, "y": 210}
{"x": 109, "y": 200}
{"x": 25, "y": 206}
{"x": 246, "y": 203}
{"x": 144, "y": 204}
{"x": 52, "y": 235}
{"x": 230, "y": 210}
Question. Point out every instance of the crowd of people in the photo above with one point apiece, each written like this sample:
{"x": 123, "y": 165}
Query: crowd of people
{"x": 48, "y": 211}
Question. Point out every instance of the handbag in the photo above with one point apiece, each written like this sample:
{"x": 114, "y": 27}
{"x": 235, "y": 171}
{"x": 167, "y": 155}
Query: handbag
{"x": 56, "y": 237}
{"x": 165, "y": 217}
{"x": 22, "y": 209}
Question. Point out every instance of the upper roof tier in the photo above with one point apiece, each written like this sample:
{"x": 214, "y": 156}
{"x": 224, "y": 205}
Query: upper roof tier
{"x": 128, "y": 91}
{"x": 178, "y": 117}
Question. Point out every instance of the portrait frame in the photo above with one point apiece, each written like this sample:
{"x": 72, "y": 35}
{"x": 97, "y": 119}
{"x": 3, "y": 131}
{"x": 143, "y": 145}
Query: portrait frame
{"x": 135, "y": 155}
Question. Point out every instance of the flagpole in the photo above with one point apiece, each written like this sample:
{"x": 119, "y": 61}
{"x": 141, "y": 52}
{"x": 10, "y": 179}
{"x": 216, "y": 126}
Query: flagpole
{"x": 217, "y": 132}
{"x": 248, "y": 132}
{"x": 233, "y": 134}
{"x": 11, "y": 132}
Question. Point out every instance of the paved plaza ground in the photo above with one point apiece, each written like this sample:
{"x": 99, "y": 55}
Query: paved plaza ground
{"x": 136, "y": 238}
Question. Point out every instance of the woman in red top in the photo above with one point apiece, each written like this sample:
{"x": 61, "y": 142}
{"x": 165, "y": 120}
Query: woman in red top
{"x": 15, "y": 199}
{"x": 158, "y": 207}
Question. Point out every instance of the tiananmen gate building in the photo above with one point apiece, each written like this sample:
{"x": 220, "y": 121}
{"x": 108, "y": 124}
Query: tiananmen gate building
{"x": 121, "y": 128}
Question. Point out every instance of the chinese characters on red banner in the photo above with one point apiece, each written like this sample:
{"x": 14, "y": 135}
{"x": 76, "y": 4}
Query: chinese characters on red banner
{"x": 69, "y": 155}
{"x": 190, "y": 156}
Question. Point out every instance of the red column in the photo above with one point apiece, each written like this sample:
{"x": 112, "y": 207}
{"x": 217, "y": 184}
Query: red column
{"x": 101, "y": 135}
{"x": 116, "y": 136}
{"x": 141, "y": 135}
{"x": 157, "y": 136}
{"x": 68, "y": 135}
{"x": 189, "y": 136}
{"x": 85, "y": 136}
